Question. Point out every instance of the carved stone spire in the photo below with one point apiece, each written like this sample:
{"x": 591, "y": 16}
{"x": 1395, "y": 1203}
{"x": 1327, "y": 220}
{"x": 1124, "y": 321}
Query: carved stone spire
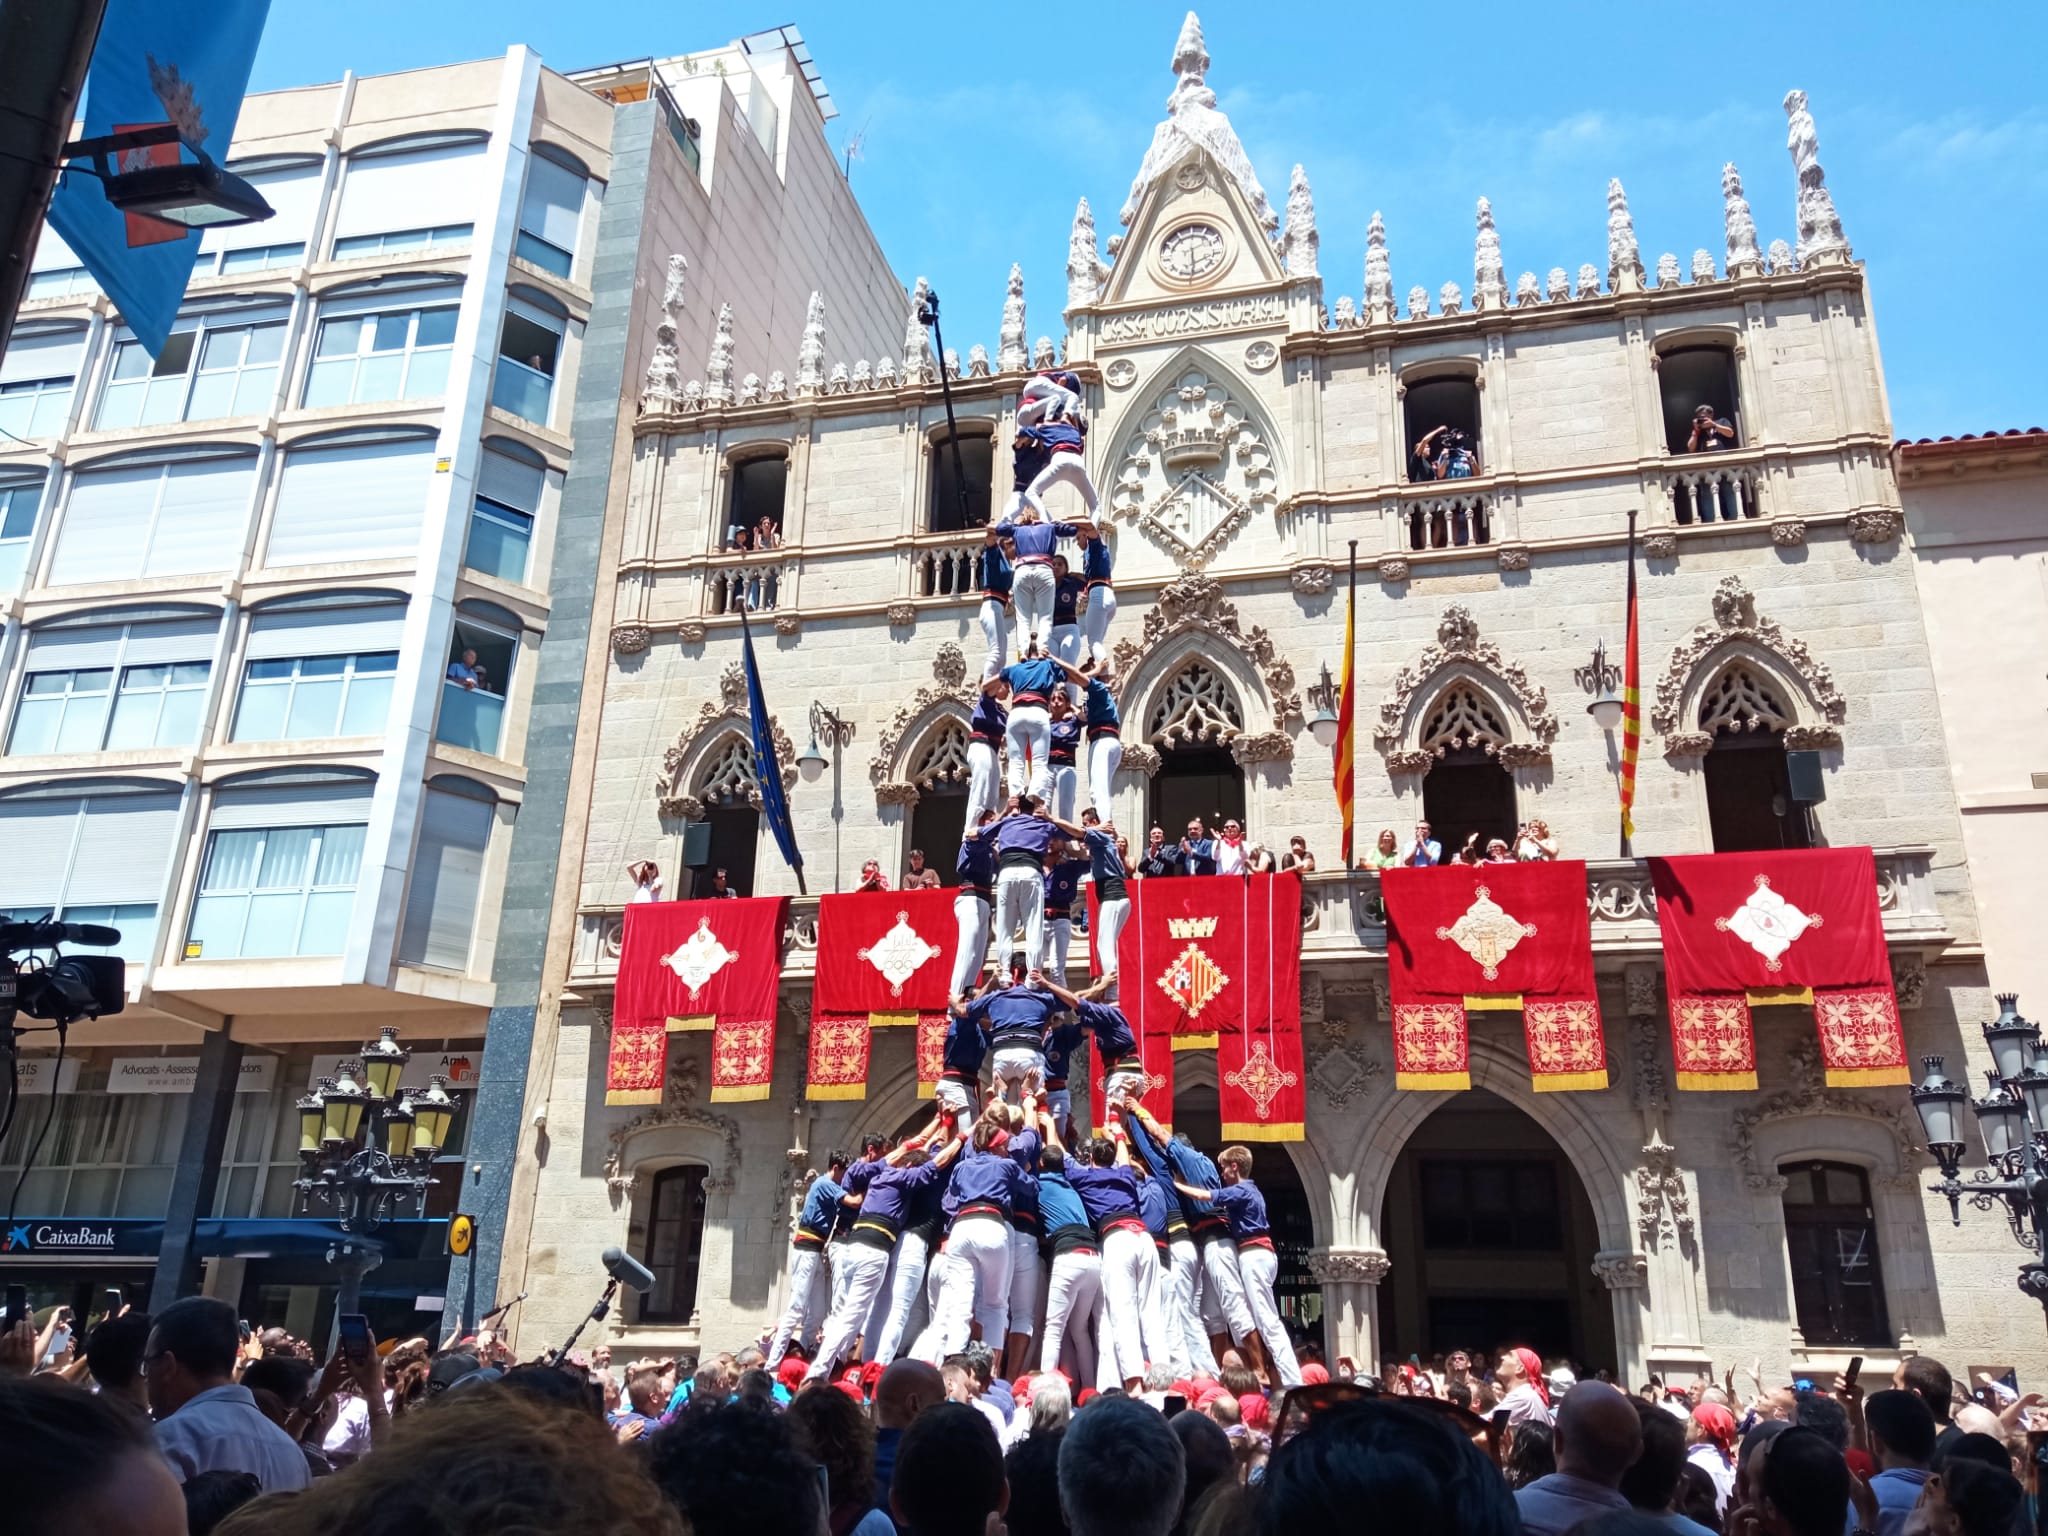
{"x": 664, "y": 384}
{"x": 1489, "y": 280}
{"x": 1085, "y": 270}
{"x": 1190, "y": 54}
{"x": 1821, "y": 241}
{"x": 1193, "y": 124}
{"x": 1379, "y": 274}
{"x": 1012, "y": 355}
{"x": 1744, "y": 259}
{"x": 810, "y": 351}
{"x": 718, "y": 366}
{"x": 917, "y": 341}
{"x": 1299, "y": 240}
{"x": 1624, "y": 260}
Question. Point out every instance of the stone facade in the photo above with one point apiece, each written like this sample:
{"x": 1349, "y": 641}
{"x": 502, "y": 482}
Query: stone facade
{"x": 1243, "y": 443}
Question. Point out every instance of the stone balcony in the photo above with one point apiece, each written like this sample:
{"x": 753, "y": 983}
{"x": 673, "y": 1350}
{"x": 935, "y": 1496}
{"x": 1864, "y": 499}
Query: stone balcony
{"x": 1343, "y": 919}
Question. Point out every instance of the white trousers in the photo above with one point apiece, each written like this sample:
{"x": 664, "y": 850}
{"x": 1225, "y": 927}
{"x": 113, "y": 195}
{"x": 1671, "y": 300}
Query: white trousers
{"x": 1032, "y": 590}
{"x": 1105, "y": 756}
{"x": 995, "y": 635}
{"x": 1223, "y": 1301}
{"x": 1023, "y": 1282}
{"x": 971, "y": 917}
{"x": 938, "y": 1281}
{"x": 1066, "y": 786}
{"x": 1260, "y": 1267}
{"x": 906, "y": 1296}
{"x": 1130, "y": 1285}
{"x": 1059, "y": 935}
{"x": 1068, "y": 646}
{"x": 1096, "y": 621}
{"x": 863, "y": 1270}
{"x": 1066, "y": 468}
{"x": 808, "y": 1295}
{"x": 1012, "y": 1064}
{"x": 955, "y": 1101}
{"x": 1020, "y": 902}
{"x": 976, "y": 1285}
{"x": 1110, "y": 917}
{"x": 984, "y": 782}
{"x": 1187, "y": 1347}
{"x": 1029, "y": 739}
{"x": 1073, "y": 1310}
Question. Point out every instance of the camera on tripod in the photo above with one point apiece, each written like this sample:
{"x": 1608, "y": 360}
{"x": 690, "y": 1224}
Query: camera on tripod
{"x": 60, "y": 988}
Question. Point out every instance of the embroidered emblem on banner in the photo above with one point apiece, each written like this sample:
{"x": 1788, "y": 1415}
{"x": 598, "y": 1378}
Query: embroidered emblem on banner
{"x": 1261, "y": 1078}
{"x": 899, "y": 954}
{"x": 1859, "y": 1031}
{"x": 1564, "y": 1037}
{"x": 1193, "y": 980}
{"x": 1714, "y": 1032}
{"x": 1192, "y": 927}
{"x": 1487, "y": 933}
{"x": 742, "y": 1055}
{"x": 1767, "y": 923}
{"x": 701, "y": 956}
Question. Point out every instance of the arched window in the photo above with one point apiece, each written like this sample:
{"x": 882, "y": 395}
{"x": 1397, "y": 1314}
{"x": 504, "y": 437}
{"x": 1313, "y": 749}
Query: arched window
{"x": 1441, "y": 414}
{"x": 940, "y": 815}
{"x": 1749, "y": 788}
{"x": 947, "y": 512}
{"x": 727, "y": 786}
{"x": 1831, "y": 1237}
{"x": 1695, "y": 378}
{"x": 674, "y": 1243}
{"x": 1467, "y": 789}
{"x": 760, "y": 485}
{"x": 1193, "y": 722}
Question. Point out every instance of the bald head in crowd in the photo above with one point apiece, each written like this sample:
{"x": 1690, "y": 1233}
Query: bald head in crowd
{"x": 906, "y": 1389}
{"x": 1598, "y": 1434}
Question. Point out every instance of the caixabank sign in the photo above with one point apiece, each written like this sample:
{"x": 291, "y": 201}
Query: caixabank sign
{"x": 81, "y": 1238}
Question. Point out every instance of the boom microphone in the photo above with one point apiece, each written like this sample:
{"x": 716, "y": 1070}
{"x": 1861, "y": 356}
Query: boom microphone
{"x": 627, "y": 1270}
{"x": 47, "y": 933}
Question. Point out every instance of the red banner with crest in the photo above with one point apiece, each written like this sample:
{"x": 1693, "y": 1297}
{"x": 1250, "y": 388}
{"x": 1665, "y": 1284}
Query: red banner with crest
{"x": 885, "y": 958}
{"x": 686, "y": 966}
{"x": 1493, "y": 937}
{"x": 1790, "y": 927}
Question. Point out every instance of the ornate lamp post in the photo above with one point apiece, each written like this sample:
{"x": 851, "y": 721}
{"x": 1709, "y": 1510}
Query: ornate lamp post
{"x": 1600, "y": 678}
{"x": 835, "y": 731}
{"x": 2012, "y": 1119}
{"x": 1322, "y": 719}
{"x": 367, "y": 1149}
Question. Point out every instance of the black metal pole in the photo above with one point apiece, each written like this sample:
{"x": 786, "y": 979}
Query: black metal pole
{"x": 1628, "y": 620}
{"x": 930, "y": 316}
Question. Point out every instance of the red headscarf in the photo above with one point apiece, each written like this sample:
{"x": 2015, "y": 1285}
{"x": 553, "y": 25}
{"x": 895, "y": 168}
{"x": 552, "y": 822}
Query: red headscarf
{"x": 792, "y": 1371}
{"x": 1314, "y": 1375}
{"x": 1532, "y": 1372}
{"x": 1719, "y": 1425}
{"x": 1253, "y": 1411}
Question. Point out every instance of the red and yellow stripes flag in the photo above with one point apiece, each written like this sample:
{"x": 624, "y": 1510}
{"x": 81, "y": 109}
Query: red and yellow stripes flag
{"x": 1631, "y": 696}
{"x": 1347, "y": 712}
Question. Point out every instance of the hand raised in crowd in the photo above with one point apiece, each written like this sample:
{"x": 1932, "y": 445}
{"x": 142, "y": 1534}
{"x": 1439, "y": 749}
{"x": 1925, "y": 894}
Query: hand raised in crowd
{"x": 18, "y": 1349}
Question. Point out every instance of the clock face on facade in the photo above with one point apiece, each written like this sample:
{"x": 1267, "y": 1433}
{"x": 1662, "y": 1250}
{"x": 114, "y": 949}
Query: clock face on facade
{"x": 1191, "y": 252}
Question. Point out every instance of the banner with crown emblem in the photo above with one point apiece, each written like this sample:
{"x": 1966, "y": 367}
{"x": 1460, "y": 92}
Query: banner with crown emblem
{"x": 884, "y": 960}
{"x": 1492, "y": 938}
{"x": 1790, "y": 927}
{"x": 687, "y": 966}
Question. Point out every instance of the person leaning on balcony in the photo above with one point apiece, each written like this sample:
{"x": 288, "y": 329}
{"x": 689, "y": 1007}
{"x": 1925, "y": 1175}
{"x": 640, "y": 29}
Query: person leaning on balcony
{"x": 766, "y": 534}
{"x": 1533, "y": 843}
{"x": 1422, "y": 850}
{"x": 1709, "y": 431}
{"x": 1298, "y": 857}
{"x": 466, "y": 671}
{"x": 919, "y": 877}
{"x": 646, "y": 878}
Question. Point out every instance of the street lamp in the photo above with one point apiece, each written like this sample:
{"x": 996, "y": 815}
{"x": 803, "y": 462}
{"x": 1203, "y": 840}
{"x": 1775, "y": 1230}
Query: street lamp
{"x": 367, "y": 1149}
{"x": 1322, "y": 720}
{"x": 835, "y": 731}
{"x": 192, "y": 194}
{"x": 1599, "y": 678}
{"x": 2012, "y": 1118}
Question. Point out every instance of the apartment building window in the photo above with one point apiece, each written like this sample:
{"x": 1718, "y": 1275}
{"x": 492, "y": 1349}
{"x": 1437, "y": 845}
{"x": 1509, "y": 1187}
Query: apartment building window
{"x": 357, "y": 497}
{"x": 456, "y": 816}
{"x": 550, "y": 212}
{"x": 481, "y": 654}
{"x": 319, "y": 667}
{"x": 61, "y": 283}
{"x": 36, "y": 380}
{"x": 173, "y": 516}
{"x": 529, "y": 352}
{"x": 212, "y": 366}
{"x": 114, "y": 687}
{"x": 280, "y": 872}
{"x": 410, "y": 194}
{"x": 383, "y": 353}
{"x": 1831, "y": 1231}
{"x": 255, "y": 258}
{"x": 93, "y": 857}
{"x": 292, "y": 188}
{"x": 18, "y": 502}
{"x": 509, "y": 482}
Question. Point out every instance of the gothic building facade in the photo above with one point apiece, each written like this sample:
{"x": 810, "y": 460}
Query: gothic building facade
{"x": 1250, "y": 430}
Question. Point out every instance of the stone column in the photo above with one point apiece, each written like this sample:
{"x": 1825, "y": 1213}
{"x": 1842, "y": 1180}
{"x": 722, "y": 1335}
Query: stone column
{"x": 1350, "y": 1278}
{"x": 1626, "y": 1274}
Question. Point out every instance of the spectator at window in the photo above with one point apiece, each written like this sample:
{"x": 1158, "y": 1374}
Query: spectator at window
{"x": 918, "y": 877}
{"x": 1533, "y": 842}
{"x": 464, "y": 670}
{"x": 1198, "y": 850}
{"x": 1297, "y": 857}
{"x": 1161, "y": 857}
{"x": 646, "y": 878}
{"x": 1496, "y": 851}
{"x": 1231, "y": 850}
{"x": 1259, "y": 860}
{"x": 1385, "y": 852}
{"x": 719, "y": 888}
{"x": 872, "y": 878}
{"x": 1422, "y": 850}
{"x": 742, "y": 541}
{"x": 1471, "y": 851}
{"x": 1709, "y": 432}
{"x": 766, "y": 534}
{"x": 1459, "y": 458}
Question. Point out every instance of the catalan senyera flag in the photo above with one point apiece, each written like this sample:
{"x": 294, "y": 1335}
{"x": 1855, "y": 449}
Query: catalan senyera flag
{"x": 1347, "y": 712}
{"x": 1631, "y": 695}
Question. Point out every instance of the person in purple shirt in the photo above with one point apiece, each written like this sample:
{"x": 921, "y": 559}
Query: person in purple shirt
{"x": 1022, "y": 839}
{"x": 974, "y": 1281}
{"x": 1066, "y": 618}
{"x": 1187, "y": 1348}
{"x": 1062, "y": 889}
{"x": 1073, "y": 1298}
{"x": 1238, "y": 1198}
{"x": 1034, "y": 585}
{"x": 1130, "y": 1265}
{"x": 1028, "y": 730}
{"x": 1063, "y": 750}
{"x": 1123, "y": 1072}
{"x": 986, "y": 729}
{"x": 1050, "y": 423}
{"x": 1226, "y": 1313}
{"x": 1014, "y": 1017}
{"x": 1112, "y": 893}
{"x": 959, "y": 1085}
{"x": 1097, "y": 559}
{"x": 1025, "y": 1229}
{"x": 993, "y": 576}
{"x": 974, "y": 906}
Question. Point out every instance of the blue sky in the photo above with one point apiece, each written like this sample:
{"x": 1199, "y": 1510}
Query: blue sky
{"x": 976, "y": 139}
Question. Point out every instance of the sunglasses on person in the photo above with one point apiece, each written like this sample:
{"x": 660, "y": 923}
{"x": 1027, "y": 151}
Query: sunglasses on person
{"x": 1300, "y": 1406}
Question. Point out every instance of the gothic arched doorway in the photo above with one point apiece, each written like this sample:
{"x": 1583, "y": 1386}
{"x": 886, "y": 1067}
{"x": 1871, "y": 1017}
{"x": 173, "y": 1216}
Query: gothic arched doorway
{"x": 1749, "y": 786}
{"x": 1468, "y": 790}
{"x": 1492, "y": 1240}
{"x": 1196, "y": 1114}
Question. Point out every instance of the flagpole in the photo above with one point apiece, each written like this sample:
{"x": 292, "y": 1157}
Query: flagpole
{"x": 1347, "y": 721}
{"x": 1631, "y": 691}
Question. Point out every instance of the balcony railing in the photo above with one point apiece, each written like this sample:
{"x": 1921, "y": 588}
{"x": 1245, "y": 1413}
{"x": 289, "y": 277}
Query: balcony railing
{"x": 946, "y": 569}
{"x": 1343, "y": 917}
{"x": 753, "y": 585}
{"x": 470, "y": 717}
{"x": 1440, "y": 521}
{"x": 522, "y": 391}
{"x": 1712, "y": 489}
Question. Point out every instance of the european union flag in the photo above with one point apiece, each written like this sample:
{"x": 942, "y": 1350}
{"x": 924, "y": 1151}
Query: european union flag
{"x": 767, "y": 769}
{"x": 182, "y": 62}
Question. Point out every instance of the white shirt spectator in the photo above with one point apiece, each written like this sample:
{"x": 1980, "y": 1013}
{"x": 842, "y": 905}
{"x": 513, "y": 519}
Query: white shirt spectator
{"x": 222, "y": 1430}
{"x": 1525, "y": 1405}
{"x": 1229, "y": 856}
{"x": 349, "y": 1438}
